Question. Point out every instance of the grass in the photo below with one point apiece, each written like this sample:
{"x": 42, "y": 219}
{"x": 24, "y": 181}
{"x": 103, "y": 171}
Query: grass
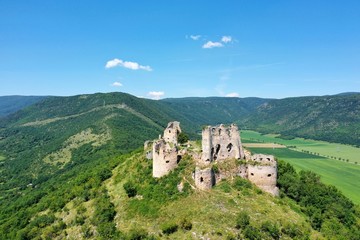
{"x": 2, "y": 158}
{"x": 211, "y": 213}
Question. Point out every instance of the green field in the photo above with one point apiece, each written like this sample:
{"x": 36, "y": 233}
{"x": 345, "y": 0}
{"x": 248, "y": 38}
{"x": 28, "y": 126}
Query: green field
{"x": 329, "y": 150}
{"x": 345, "y": 176}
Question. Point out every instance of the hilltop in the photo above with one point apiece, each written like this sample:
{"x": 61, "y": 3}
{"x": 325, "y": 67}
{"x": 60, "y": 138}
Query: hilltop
{"x": 64, "y": 160}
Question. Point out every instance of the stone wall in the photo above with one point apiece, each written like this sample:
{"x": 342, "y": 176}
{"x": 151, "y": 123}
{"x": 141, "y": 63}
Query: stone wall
{"x": 165, "y": 158}
{"x": 220, "y": 143}
{"x": 262, "y": 171}
{"x": 204, "y": 178}
{"x": 171, "y": 132}
{"x": 165, "y": 153}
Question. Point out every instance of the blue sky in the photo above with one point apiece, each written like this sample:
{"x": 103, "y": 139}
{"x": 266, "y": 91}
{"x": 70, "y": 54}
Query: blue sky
{"x": 180, "y": 48}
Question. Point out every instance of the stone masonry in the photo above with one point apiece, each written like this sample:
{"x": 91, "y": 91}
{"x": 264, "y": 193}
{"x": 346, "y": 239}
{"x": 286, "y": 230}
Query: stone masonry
{"x": 165, "y": 151}
{"x": 220, "y": 143}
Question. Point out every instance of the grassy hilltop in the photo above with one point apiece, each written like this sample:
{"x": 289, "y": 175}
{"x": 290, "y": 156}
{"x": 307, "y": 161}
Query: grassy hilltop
{"x": 64, "y": 163}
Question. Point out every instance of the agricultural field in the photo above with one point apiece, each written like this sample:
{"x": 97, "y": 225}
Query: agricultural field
{"x": 346, "y": 153}
{"x": 342, "y": 174}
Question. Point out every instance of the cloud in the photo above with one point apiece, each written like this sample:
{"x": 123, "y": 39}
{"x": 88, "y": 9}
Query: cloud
{"x": 226, "y": 39}
{"x": 116, "y": 84}
{"x": 195, "y": 37}
{"x": 126, "y": 64}
{"x": 156, "y": 95}
{"x": 234, "y": 94}
{"x": 211, "y": 44}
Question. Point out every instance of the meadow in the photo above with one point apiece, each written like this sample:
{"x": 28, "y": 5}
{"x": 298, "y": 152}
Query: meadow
{"x": 342, "y": 174}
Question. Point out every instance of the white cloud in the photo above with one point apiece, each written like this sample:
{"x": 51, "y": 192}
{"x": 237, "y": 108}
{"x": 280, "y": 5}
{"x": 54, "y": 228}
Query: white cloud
{"x": 195, "y": 37}
{"x": 156, "y": 95}
{"x": 116, "y": 84}
{"x": 226, "y": 39}
{"x": 211, "y": 44}
{"x": 234, "y": 94}
{"x": 126, "y": 64}
{"x": 113, "y": 63}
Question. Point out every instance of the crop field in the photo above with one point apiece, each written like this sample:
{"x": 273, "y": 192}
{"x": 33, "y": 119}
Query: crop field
{"x": 345, "y": 176}
{"x": 263, "y": 145}
{"x": 346, "y": 153}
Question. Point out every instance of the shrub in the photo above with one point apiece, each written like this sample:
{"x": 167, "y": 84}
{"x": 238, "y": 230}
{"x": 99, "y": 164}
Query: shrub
{"x": 130, "y": 189}
{"x": 137, "y": 234}
{"x": 185, "y": 224}
{"x": 242, "y": 220}
{"x": 169, "y": 228}
{"x": 251, "y": 232}
{"x": 215, "y": 168}
{"x": 182, "y": 138}
{"x": 272, "y": 229}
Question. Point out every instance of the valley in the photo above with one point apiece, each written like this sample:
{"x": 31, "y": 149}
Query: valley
{"x": 335, "y": 163}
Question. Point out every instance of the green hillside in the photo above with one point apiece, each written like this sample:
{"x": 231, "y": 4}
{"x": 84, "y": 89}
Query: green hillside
{"x": 64, "y": 162}
{"x": 329, "y": 118}
{"x": 214, "y": 110}
{"x": 11, "y": 104}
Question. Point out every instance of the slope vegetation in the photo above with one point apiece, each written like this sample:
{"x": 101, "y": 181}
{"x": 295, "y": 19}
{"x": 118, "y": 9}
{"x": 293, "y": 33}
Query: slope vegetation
{"x": 11, "y": 104}
{"x": 329, "y": 118}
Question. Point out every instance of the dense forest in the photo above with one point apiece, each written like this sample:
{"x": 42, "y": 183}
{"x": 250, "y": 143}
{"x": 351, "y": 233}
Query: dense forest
{"x": 332, "y": 118}
{"x": 329, "y": 118}
{"x": 11, "y": 104}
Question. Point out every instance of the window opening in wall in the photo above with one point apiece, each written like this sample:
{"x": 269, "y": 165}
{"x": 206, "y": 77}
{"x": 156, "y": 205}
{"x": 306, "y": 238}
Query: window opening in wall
{"x": 269, "y": 175}
{"x": 229, "y": 147}
{"x": 268, "y": 159}
{"x": 219, "y": 131}
{"x": 201, "y": 179}
{"x": 178, "y": 158}
{"x": 216, "y": 151}
{"x": 167, "y": 161}
{"x": 252, "y": 174}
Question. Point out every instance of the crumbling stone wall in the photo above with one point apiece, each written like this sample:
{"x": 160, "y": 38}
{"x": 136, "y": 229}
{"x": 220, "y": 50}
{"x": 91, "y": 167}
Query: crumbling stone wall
{"x": 204, "y": 178}
{"x": 262, "y": 171}
{"x": 165, "y": 151}
{"x": 172, "y": 131}
{"x": 220, "y": 143}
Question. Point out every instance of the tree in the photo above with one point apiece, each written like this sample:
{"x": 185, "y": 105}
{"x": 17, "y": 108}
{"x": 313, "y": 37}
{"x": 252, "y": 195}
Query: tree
{"x": 182, "y": 138}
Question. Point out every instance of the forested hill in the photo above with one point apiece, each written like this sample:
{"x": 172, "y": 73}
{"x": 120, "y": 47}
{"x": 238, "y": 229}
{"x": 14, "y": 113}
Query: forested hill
{"x": 215, "y": 110}
{"x": 331, "y": 118}
{"x": 11, "y": 104}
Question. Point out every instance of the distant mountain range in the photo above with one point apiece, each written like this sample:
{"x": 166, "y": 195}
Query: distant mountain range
{"x": 334, "y": 118}
{"x": 11, "y": 104}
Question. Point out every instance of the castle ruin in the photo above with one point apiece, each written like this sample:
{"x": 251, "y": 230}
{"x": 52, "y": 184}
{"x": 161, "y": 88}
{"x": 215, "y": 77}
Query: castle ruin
{"x": 220, "y": 145}
{"x": 165, "y": 151}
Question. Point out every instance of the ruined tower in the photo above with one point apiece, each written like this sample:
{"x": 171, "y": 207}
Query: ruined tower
{"x": 262, "y": 171}
{"x": 204, "y": 178}
{"x": 220, "y": 143}
{"x": 165, "y": 151}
